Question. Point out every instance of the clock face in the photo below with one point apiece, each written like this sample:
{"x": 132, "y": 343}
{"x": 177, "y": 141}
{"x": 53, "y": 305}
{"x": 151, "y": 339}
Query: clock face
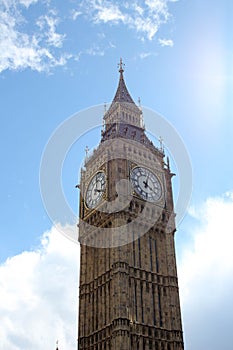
{"x": 95, "y": 190}
{"x": 146, "y": 184}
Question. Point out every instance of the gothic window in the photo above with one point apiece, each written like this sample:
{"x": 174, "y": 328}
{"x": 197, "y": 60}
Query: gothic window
{"x": 139, "y": 252}
{"x": 134, "y": 258}
{"x": 131, "y": 341}
{"x": 142, "y": 302}
{"x": 160, "y": 307}
{"x": 156, "y": 256}
{"x": 151, "y": 258}
{"x": 133, "y": 134}
{"x": 125, "y": 130}
{"x": 96, "y": 318}
{"x": 153, "y": 304}
{"x": 135, "y": 299}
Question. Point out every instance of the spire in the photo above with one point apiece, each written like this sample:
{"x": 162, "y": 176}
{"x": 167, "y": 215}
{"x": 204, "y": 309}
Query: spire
{"x": 122, "y": 93}
{"x": 123, "y": 109}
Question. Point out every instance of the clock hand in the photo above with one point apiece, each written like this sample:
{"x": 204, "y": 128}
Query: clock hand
{"x": 150, "y": 188}
{"x": 96, "y": 187}
{"x": 146, "y": 184}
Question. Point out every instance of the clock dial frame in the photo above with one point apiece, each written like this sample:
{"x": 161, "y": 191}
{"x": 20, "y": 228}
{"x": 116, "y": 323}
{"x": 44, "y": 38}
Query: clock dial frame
{"x": 146, "y": 184}
{"x": 95, "y": 190}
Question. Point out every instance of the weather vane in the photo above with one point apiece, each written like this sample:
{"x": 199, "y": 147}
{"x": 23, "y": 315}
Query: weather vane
{"x": 121, "y": 66}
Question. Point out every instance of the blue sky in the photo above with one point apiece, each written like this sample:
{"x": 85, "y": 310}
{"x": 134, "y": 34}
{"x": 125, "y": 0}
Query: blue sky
{"x": 57, "y": 59}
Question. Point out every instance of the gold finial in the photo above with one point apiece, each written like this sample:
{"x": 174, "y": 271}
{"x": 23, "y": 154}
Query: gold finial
{"x": 121, "y": 66}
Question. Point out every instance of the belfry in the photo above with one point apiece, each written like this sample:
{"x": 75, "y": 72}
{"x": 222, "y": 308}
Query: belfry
{"x": 129, "y": 296}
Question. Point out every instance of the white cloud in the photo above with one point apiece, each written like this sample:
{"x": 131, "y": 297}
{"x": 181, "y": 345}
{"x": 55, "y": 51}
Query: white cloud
{"x": 144, "y": 55}
{"x": 27, "y": 3}
{"x": 75, "y": 14}
{"x": 145, "y": 25}
{"x": 205, "y": 273}
{"x": 146, "y": 18}
{"x": 95, "y": 51}
{"x": 138, "y": 9}
{"x": 31, "y": 36}
{"x": 47, "y": 25}
{"x": 158, "y": 6}
{"x": 109, "y": 13}
{"x": 38, "y": 293}
{"x": 166, "y": 42}
{"x": 20, "y": 49}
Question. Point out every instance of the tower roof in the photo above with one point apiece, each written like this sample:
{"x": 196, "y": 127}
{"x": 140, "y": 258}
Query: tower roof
{"x": 122, "y": 93}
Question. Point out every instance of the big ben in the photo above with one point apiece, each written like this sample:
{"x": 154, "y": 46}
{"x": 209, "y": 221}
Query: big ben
{"x": 128, "y": 294}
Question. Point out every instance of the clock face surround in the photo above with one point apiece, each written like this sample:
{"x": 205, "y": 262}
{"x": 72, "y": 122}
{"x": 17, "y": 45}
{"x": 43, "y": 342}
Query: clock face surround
{"x": 95, "y": 190}
{"x": 146, "y": 184}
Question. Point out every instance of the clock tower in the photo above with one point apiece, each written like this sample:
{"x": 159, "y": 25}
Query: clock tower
{"x": 129, "y": 296}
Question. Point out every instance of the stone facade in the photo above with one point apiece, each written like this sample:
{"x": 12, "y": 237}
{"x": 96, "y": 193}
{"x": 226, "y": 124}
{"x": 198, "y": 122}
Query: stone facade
{"x": 129, "y": 296}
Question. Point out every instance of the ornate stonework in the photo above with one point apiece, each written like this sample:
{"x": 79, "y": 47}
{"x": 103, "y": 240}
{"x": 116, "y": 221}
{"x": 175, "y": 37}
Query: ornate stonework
{"x": 129, "y": 297}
